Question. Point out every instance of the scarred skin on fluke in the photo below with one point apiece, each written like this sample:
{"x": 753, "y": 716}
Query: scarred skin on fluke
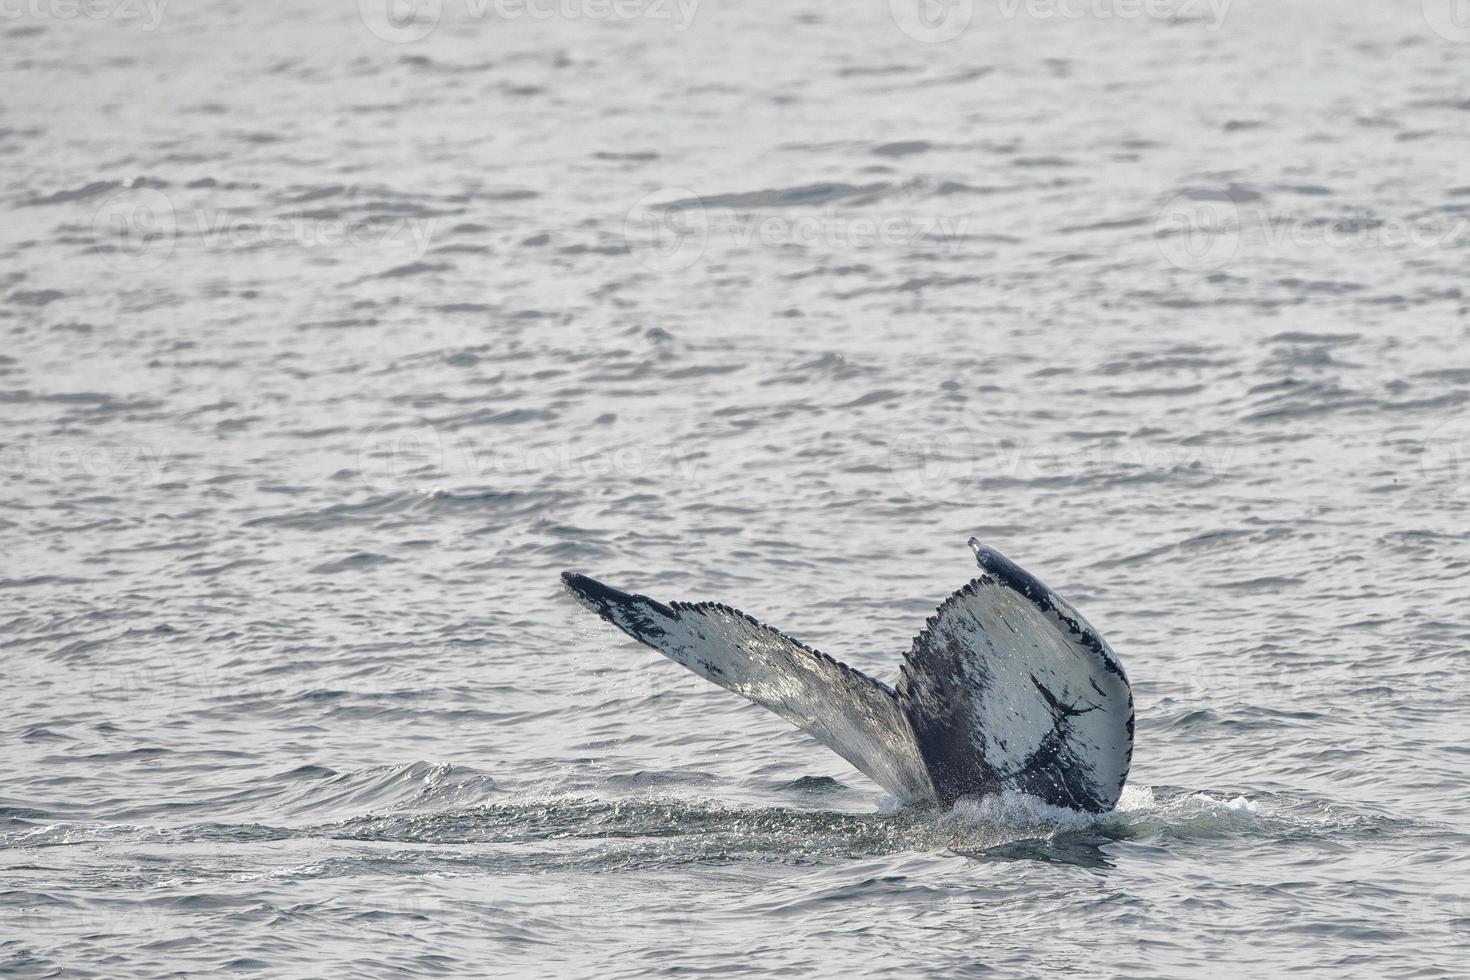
{"x": 1006, "y": 688}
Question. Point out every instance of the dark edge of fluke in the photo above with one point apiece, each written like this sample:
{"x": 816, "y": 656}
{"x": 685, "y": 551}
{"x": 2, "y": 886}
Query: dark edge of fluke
{"x": 598, "y": 597}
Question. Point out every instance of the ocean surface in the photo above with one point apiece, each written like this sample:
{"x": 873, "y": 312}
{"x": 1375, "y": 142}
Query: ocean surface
{"x": 331, "y": 333}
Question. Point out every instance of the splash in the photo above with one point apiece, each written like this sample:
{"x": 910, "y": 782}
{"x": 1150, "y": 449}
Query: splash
{"x": 1014, "y": 811}
{"x": 1139, "y": 814}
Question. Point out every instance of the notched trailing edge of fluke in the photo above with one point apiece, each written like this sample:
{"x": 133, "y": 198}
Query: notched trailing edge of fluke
{"x": 601, "y": 598}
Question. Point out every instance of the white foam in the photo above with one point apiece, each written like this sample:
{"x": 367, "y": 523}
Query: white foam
{"x": 1136, "y": 798}
{"x": 1013, "y": 811}
{"x": 1140, "y": 801}
{"x": 1243, "y": 806}
{"x": 1017, "y": 810}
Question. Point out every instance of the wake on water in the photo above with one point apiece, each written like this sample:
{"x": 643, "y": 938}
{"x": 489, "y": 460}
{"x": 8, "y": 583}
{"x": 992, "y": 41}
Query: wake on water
{"x": 693, "y": 828}
{"x": 594, "y": 829}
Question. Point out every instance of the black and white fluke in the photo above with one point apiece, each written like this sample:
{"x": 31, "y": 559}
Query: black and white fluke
{"x": 1006, "y": 688}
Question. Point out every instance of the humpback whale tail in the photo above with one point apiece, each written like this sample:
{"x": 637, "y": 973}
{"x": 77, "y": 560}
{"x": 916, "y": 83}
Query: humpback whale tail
{"x": 1006, "y": 688}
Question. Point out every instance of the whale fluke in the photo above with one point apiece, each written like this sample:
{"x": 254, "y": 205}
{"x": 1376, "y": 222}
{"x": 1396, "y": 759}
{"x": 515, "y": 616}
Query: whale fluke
{"x": 1006, "y": 688}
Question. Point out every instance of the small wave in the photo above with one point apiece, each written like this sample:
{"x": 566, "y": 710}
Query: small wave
{"x": 354, "y": 562}
{"x": 416, "y": 786}
{"x": 807, "y": 195}
{"x": 91, "y": 190}
{"x": 415, "y": 269}
{"x": 815, "y": 785}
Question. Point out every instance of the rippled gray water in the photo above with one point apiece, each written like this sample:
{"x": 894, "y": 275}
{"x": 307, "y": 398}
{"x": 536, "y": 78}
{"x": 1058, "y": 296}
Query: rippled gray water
{"x": 328, "y": 339}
